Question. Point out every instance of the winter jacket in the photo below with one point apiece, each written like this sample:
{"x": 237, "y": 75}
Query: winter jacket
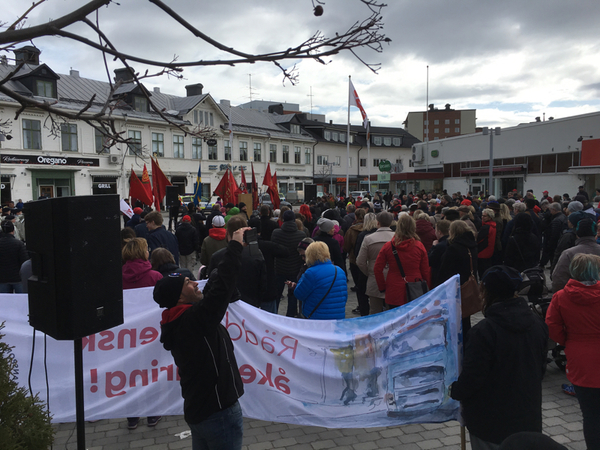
{"x": 232, "y": 212}
{"x": 500, "y": 386}
{"x": 270, "y": 251}
{"x": 455, "y": 259}
{"x": 435, "y": 258}
{"x": 141, "y": 230}
{"x": 522, "y": 250}
{"x": 369, "y": 249}
{"x": 162, "y": 238}
{"x": 350, "y": 241}
{"x": 170, "y": 268}
{"x": 334, "y": 248}
{"x": 266, "y": 227}
{"x": 558, "y": 224}
{"x": 413, "y": 257}
{"x": 215, "y": 241}
{"x": 560, "y": 275}
{"x": 426, "y": 233}
{"x": 187, "y": 238}
{"x": 201, "y": 346}
{"x": 567, "y": 240}
{"x": 288, "y": 236}
{"x": 486, "y": 240}
{"x": 573, "y": 319}
{"x": 138, "y": 273}
{"x": 135, "y": 220}
{"x": 315, "y": 283}
{"x": 12, "y": 257}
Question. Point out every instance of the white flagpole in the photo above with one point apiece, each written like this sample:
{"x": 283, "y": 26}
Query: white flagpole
{"x": 369, "y": 156}
{"x": 348, "y": 143}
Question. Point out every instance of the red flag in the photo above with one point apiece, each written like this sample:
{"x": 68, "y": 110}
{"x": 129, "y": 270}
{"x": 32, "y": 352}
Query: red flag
{"x": 243, "y": 185}
{"x": 274, "y": 191}
{"x": 254, "y": 190}
{"x": 146, "y": 184}
{"x": 159, "y": 184}
{"x": 137, "y": 190}
{"x": 267, "y": 178}
{"x": 355, "y": 101}
{"x": 227, "y": 188}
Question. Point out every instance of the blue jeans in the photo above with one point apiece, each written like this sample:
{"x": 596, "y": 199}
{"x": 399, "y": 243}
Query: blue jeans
{"x": 9, "y": 288}
{"x": 221, "y": 431}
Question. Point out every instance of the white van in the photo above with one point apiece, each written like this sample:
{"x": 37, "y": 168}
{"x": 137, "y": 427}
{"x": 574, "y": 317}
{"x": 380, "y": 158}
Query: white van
{"x": 360, "y": 194}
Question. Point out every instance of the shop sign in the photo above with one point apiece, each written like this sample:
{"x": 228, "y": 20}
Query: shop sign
{"x": 104, "y": 186}
{"x": 383, "y": 177}
{"x": 385, "y": 165}
{"x": 50, "y": 160}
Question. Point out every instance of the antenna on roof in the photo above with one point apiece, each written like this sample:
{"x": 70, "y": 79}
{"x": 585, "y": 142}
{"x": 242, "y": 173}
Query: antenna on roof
{"x": 311, "y": 96}
{"x": 250, "y": 85}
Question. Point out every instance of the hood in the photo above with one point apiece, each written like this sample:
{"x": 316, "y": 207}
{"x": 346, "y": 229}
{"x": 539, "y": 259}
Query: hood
{"x": 406, "y": 244}
{"x": 167, "y": 268}
{"x": 233, "y": 211}
{"x": 135, "y": 270}
{"x": 218, "y": 234}
{"x": 424, "y": 225}
{"x": 513, "y": 315}
{"x": 357, "y": 227}
{"x": 166, "y": 323}
{"x": 466, "y": 240}
{"x": 583, "y": 294}
{"x": 289, "y": 226}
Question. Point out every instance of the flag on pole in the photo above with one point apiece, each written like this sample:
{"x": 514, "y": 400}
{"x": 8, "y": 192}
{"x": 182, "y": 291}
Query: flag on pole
{"x": 198, "y": 192}
{"x": 274, "y": 191}
{"x": 243, "y": 184}
{"x": 355, "y": 101}
{"x": 254, "y": 190}
{"x": 267, "y": 178}
{"x": 159, "y": 184}
{"x": 227, "y": 188}
{"x": 146, "y": 184}
{"x": 137, "y": 190}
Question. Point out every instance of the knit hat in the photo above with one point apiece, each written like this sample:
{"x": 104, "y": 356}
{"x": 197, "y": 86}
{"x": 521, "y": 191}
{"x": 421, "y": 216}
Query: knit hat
{"x": 186, "y": 219}
{"x": 326, "y": 225}
{"x": 289, "y": 216}
{"x": 168, "y": 290}
{"x": 218, "y": 222}
{"x": 137, "y": 210}
{"x": 575, "y": 206}
{"x": 241, "y": 205}
{"x": 502, "y": 280}
{"x": 576, "y": 216}
{"x": 466, "y": 202}
{"x": 229, "y": 205}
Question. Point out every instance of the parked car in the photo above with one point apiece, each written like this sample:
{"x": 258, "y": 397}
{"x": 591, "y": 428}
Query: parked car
{"x": 205, "y": 202}
{"x": 360, "y": 194}
{"x": 265, "y": 199}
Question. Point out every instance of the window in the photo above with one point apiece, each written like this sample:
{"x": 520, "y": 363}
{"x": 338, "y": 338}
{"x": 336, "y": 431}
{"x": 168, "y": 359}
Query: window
{"x": 212, "y": 152}
{"x": 387, "y": 141}
{"x": 297, "y": 155}
{"x": 457, "y": 130}
{"x": 321, "y": 160}
{"x": 257, "y": 152}
{"x": 158, "y": 144}
{"x": 196, "y": 148}
{"x": 273, "y": 153}
{"x": 140, "y": 104}
{"x": 44, "y": 88}
{"x": 327, "y": 135}
{"x": 208, "y": 119}
{"x": 436, "y": 122}
{"x": 32, "y": 134}
{"x": 338, "y": 160}
{"x": 101, "y": 142}
{"x": 295, "y": 129}
{"x": 335, "y": 136}
{"x": 178, "y": 146}
{"x": 68, "y": 134}
{"x": 363, "y": 162}
{"x": 446, "y": 130}
{"x": 343, "y": 137}
{"x": 447, "y": 122}
{"x": 456, "y": 121}
{"x": 376, "y": 162}
{"x": 396, "y": 141}
{"x": 135, "y": 142}
{"x": 436, "y": 130}
{"x": 227, "y": 151}
{"x": 286, "y": 154}
{"x": 307, "y": 155}
{"x": 298, "y": 186}
{"x": 198, "y": 117}
{"x": 376, "y": 140}
{"x": 243, "y": 151}
{"x": 426, "y": 122}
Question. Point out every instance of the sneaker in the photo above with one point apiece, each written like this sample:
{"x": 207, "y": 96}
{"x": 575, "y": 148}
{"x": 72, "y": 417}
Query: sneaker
{"x": 152, "y": 421}
{"x": 569, "y": 389}
{"x": 132, "y": 422}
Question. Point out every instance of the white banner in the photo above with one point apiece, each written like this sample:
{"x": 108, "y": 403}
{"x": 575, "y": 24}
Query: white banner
{"x": 387, "y": 369}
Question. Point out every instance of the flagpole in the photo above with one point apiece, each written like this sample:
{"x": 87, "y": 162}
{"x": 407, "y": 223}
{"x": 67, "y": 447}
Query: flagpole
{"x": 369, "y": 156}
{"x": 348, "y": 144}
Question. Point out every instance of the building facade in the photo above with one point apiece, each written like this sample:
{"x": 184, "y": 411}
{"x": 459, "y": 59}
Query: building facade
{"x": 440, "y": 123}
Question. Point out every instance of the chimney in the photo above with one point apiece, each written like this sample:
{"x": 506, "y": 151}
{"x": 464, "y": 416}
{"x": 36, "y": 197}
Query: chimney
{"x": 194, "y": 89}
{"x": 225, "y": 103}
{"x": 276, "y": 109}
{"x": 74, "y": 73}
{"x": 124, "y": 74}
{"x": 157, "y": 90}
{"x": 28, "y": 55}
{"x": 431, "y": 107}
{"x": 447, "y": 105}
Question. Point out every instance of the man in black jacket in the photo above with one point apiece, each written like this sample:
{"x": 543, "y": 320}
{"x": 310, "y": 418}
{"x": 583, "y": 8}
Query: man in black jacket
{"x": 13, "y": 256}
{"x": 158, "y": 236}
{"x": 188, "y": 241}
{"x": 558, "y": 223}
{"x": 203, "y": 351}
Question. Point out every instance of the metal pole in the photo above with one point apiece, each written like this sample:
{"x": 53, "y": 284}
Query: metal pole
{"x": 491, "y": 187}
{"x": 79, "y": 407}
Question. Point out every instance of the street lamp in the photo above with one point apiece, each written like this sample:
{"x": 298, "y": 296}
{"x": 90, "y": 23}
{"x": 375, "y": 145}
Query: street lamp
{"x": 497, "y": 132}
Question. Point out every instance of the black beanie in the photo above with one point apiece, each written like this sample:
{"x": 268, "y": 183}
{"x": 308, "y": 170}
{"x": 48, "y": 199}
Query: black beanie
{"x": 168, "y": 290}
{"x": 503, "y": 280}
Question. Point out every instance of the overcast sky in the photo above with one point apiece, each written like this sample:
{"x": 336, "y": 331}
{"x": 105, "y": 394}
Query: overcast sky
{"x": 511, "y": 60}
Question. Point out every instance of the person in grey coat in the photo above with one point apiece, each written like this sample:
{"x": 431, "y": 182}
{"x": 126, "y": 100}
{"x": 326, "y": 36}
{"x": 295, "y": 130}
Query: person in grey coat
{"x": 586, "y": 243}
{"x": 367, "y": 255}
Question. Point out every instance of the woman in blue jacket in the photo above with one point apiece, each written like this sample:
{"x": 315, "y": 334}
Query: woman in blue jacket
{"x": 323, "y": 288}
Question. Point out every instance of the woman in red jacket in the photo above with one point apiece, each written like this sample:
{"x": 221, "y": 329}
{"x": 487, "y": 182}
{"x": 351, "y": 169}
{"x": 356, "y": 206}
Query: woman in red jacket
{"x": 486, "y": 240}
{"x": 413, "y": 257}
{"x": 573, "y": 320}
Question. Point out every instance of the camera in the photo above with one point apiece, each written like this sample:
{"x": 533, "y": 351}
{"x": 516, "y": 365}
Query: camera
{"x": 250, "y": 236}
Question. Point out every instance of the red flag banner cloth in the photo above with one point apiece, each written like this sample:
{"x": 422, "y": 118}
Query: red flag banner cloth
{"x": 146, "y": 184}
{"x": 254, "y": 190}
{"x": 274, "y": 191}
{"x": 234, "y": 189}
{"x": 243, "y": 185}
{"x": 267, "y": 178}
{"x": 137, "y": 190}
{"x": 226, "y": 188}
{"x": 355, "y": 101}
{"x": 159, "y": 184}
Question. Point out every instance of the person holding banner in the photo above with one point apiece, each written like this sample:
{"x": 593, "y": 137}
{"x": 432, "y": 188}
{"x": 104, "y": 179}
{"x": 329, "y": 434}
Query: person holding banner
{"x": 191, "y": 330}
{"x": 500, "y": 386}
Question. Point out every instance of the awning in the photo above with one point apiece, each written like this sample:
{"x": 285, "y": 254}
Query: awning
{"x": 584, "y": 170}
{"x": 499, "y": 169}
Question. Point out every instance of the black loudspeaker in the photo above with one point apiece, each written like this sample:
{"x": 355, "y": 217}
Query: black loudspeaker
{"x": 76, "y": 288}
{"x": 172, "y": 195}
{"x": 310, "y": 192}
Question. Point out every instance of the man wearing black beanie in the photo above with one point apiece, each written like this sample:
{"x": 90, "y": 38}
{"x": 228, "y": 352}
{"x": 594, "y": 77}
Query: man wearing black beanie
{"x": 203, "y": 351}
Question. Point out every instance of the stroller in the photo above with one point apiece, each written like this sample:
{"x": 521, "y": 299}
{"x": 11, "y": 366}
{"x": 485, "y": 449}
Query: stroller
{"x": 535, "y": 290}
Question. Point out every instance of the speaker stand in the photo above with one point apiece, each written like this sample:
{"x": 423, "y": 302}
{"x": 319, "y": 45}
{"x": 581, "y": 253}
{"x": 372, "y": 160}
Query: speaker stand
{"x": 79, "y": 407}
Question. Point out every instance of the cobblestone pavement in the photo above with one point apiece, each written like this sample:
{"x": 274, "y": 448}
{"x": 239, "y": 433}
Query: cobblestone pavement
{"x": 561, "y": 417}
